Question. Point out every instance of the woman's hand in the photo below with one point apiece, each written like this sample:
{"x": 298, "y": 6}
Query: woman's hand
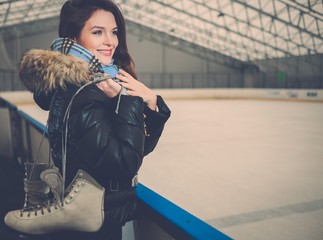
{"x": 109, "y": 87}
{"x": 136, "y": 88}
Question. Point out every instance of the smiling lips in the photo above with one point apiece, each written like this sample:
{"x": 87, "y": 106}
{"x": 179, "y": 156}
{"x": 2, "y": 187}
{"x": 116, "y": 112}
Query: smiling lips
{"x": 106, "y": 53}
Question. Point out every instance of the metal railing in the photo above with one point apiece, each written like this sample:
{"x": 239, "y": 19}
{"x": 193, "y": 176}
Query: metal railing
{"x": 9, "y": 82}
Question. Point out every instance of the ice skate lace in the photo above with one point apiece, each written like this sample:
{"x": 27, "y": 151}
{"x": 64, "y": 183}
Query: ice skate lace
{"x": 40, "y": 208}
{"x": 29, "y": 198}
{"x": 96, "y": 79}
{"x": 50, "y": 205}
{"x": 56, "y": 203}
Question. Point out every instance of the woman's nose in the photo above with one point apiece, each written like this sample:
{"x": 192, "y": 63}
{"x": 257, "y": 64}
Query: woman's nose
{"x": 108, "y": 40}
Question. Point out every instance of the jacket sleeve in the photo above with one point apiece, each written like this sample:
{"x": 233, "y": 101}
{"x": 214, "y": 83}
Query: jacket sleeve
{"x": 155, "y": 122}
{"x": 111, "y": 144}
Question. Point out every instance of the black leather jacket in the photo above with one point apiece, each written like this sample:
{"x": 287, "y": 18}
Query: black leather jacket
{"x": 106, "y": 144}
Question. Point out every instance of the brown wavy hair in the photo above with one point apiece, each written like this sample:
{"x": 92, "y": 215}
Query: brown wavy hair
{"x": 75, "y": 13}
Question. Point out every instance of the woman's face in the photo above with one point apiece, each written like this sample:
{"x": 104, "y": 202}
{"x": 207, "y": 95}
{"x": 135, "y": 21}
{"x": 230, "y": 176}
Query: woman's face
{"x": 99, "y": 36}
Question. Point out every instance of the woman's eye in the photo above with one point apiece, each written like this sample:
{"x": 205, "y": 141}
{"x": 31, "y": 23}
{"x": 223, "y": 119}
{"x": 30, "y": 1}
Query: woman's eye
{"x": 99, "y": 32}
{"x": 115, "y": 33}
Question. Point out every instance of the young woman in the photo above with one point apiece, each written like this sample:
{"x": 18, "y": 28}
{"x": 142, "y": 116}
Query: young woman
{"x": 112, "y": 124}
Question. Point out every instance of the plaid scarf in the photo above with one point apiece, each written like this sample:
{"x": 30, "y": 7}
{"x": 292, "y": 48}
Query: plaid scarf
{"x": 68, "y": 46}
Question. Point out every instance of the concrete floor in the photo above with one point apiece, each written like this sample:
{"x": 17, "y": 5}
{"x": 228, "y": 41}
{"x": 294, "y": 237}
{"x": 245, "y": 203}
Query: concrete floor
{"x": 252, "y": 169}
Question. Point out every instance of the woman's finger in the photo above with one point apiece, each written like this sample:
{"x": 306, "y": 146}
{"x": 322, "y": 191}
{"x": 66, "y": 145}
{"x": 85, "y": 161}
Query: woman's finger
{"x": 123, "y": 72}
{"x": 109, "y": 87}
{"x": 122, "y": 78}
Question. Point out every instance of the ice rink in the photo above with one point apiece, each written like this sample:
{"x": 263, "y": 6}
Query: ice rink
{"x": 252, "y": 169}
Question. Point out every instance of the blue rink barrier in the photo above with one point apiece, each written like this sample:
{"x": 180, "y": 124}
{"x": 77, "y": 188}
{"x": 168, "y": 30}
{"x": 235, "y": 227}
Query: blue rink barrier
{"x": 177, "y": 222}
{"x": 159, "y": 218}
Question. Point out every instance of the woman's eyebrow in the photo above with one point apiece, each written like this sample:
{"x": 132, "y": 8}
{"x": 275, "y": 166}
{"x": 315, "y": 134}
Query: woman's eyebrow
{"x": 100, "y": 27}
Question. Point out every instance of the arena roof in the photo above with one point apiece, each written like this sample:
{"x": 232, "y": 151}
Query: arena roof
{"x": 244, "y": 30}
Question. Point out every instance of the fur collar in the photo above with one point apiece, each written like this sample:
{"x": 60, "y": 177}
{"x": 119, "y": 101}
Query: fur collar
{"x": 45, "y": 70}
